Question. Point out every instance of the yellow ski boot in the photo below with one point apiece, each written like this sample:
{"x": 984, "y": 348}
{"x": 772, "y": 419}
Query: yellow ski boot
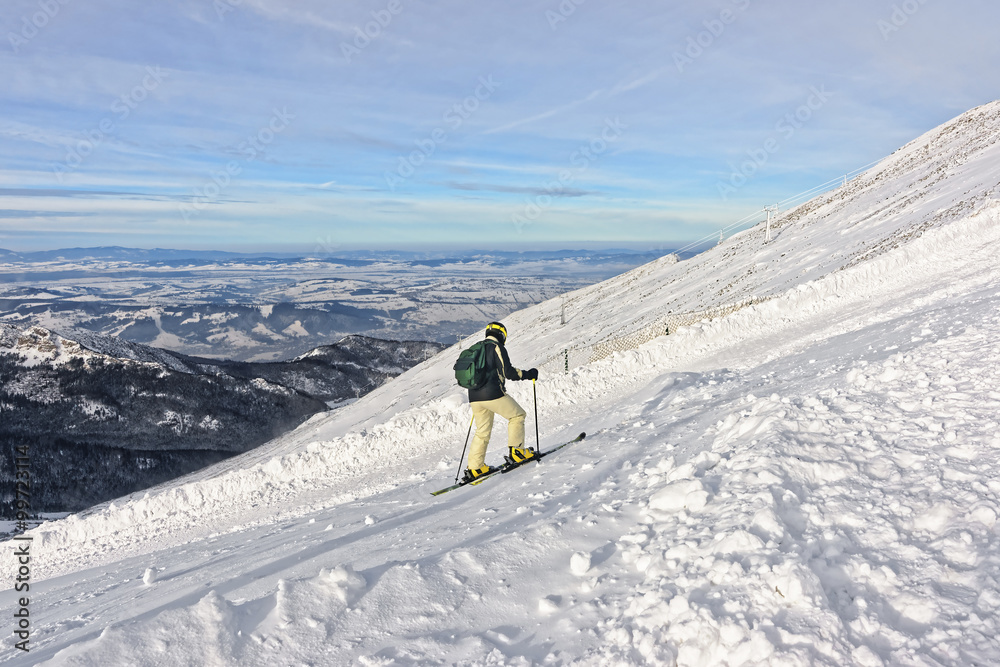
{"x": 472, "y": 475}
{"x": 521, "y": 454}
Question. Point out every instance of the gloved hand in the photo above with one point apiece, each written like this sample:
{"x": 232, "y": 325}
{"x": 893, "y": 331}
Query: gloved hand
{"x": 531, "y": 374}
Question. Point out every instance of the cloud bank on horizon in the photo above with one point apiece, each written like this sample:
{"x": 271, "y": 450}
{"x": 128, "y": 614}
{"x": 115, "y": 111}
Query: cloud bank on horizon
{"x": 240, "y": 124}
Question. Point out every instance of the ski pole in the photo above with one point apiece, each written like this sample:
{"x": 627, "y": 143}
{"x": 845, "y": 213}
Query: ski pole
{"x": 464, "y": 447}
{"x": 534, "y": 392}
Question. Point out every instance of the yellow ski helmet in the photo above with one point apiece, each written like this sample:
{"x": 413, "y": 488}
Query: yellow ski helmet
{"x": 498, "y": 331}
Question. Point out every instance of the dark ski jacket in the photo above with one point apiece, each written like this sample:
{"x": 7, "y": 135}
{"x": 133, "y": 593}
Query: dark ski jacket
{"x": 500, "y": 369}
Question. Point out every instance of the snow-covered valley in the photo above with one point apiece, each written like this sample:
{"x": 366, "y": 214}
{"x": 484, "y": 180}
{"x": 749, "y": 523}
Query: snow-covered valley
{"x": 807, "y": 478}
{"x": 261, "y": 308}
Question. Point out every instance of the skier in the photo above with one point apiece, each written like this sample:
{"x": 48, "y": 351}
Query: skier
{"x": 491, "y": 399}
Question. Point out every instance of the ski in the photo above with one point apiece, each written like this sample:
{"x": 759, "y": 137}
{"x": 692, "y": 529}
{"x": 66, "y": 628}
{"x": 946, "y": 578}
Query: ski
{"x": 478, "y": 480}
{"x": 507, "y": 467}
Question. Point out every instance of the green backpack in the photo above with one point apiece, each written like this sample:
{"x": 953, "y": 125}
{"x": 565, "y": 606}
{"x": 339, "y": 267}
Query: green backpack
{"x": 472, "y": 368}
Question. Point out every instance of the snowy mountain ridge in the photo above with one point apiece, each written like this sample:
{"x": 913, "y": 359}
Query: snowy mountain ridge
{"x": 947, "y": 174}
{"x": 41, "y": 344}
{"x": 103, "y": 417}
{"x": 806, "y": 480}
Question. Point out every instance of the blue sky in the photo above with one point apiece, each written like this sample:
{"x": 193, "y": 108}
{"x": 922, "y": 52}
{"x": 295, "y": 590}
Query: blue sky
{"x": 251, "y": 124}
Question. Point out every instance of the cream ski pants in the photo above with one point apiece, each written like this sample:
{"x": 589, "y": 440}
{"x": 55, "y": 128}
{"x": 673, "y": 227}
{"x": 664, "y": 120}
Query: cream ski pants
{"x": 482, "y": 412}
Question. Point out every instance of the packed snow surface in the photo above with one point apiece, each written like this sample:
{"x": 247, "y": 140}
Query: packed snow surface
{"x": 807, "y": 480}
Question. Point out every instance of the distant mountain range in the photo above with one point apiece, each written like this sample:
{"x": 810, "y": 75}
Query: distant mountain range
{"x": 228, "y": 330}
{"x": 337, "y": 257}
{"x": 254, "y": 307}
{"x": 117, "y": 252}
{"x": 104, "y": 417}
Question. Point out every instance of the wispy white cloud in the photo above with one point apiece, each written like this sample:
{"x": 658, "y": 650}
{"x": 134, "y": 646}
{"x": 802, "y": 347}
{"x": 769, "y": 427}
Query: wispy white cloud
{"x": 409, "y": 94}
{"x": 24, "y": 132}
{"x": 557, "y": 111}
{"x": 315, "y": 15}
{"x": 634, "y": 83}
{"x": 520, "y": 189}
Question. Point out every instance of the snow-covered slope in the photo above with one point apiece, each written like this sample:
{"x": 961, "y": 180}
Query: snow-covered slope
{"x": 805, "y": 480}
